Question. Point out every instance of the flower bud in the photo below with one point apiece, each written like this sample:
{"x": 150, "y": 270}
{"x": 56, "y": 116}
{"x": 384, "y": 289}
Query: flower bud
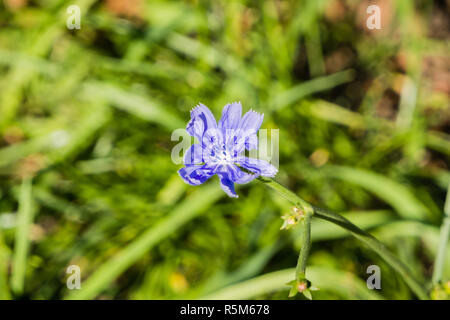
{"x": 291, "y": 219}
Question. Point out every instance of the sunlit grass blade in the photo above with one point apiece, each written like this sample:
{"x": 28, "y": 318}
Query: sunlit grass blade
{"x": 443, "y": 240}
{"x": 22, "y": 240}
{"x": 331, "y": 112}
{"x": 4, "y": 262}
{"x": 307, "y": 88}
{"x": 135, "y": 104}
{"x": 439, "y": 142}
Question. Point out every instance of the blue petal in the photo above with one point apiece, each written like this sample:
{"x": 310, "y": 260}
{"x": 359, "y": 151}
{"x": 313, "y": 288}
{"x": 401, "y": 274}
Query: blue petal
{"x": 251, "y": 121}
{"x": 246, "y": 139}
{"x": 227, "y": 185}
{"x": 209, "y": 151}
{"x": 196, "y": 174}
{"x": 201, "y": 121}
{"x": 258, "y": 166}
{"x": 251, "y": 141}
{"x": 248, "y": 129}
{"x": 194, "y": 155}
{"x": 212, "y": 136}
{"x": 231, "y": 116}
{"x": 230, "y": 174}
{"x": 238, "y": 176}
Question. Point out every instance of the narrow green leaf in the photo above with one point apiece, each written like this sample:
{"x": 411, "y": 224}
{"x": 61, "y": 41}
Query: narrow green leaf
{"x": 4, "y": 261}
{"x": 22, "y": 241}
{"x": 134, "y": 103}
{"x": 310, "y": 87}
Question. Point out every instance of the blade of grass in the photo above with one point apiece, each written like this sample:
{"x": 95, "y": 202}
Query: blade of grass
{"x": 135, "y": 104}
{"x": 207, "y": 53}
{"x": 438, "y": 141}
{"x": 22, "y": 242}
{"x": 4, "y": 261}
{"x": 443, "y": 240}
{"x": 310, "y": 87}
{"x": 331, "y": 112}
{"x": 314, "y": 50}
{"x": 43, "y": 66}
{"x": 15, "y": 152}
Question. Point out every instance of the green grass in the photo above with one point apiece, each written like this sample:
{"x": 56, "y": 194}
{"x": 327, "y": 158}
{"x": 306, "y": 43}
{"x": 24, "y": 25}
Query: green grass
{"x": 22, "y": 241}
{"x": 89, "y": 114}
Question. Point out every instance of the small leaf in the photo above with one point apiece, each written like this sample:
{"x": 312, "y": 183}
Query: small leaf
{"x": 307, "y": 294}
{"x": 293, "y": 292}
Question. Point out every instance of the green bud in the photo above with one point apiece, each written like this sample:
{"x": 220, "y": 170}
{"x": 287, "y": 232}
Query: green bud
{"x": 292, "y": 219}
{"x": 302, "y": 286}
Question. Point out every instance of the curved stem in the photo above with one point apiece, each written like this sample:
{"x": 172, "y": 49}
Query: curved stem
{"x": 361, "y": 235}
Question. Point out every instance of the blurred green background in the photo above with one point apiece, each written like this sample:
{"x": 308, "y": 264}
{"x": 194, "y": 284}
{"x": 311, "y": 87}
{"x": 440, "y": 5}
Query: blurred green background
{"x": 86, "y": 118}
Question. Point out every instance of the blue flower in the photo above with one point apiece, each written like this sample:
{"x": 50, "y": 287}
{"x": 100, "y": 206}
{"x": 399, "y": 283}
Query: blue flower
{"x": 221, "y": 146}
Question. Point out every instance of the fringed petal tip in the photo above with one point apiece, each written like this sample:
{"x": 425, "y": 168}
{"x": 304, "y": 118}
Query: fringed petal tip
{"x": 251, "y": 121}
{"x": 198, "y": 107}
{"x": 202, "y": 120}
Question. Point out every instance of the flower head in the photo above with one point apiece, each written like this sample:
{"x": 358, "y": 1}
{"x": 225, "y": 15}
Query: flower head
{"x": 221, "y": 146}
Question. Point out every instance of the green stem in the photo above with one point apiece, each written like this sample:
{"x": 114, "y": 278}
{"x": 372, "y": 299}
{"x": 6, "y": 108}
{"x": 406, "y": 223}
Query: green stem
{"x": 306, "y": 247}
{"x": 443, "y": 239}
{"x": 361, "y": 235}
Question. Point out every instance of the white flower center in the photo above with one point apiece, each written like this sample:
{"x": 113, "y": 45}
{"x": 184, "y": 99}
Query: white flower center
{"x": 220, "y": 155}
